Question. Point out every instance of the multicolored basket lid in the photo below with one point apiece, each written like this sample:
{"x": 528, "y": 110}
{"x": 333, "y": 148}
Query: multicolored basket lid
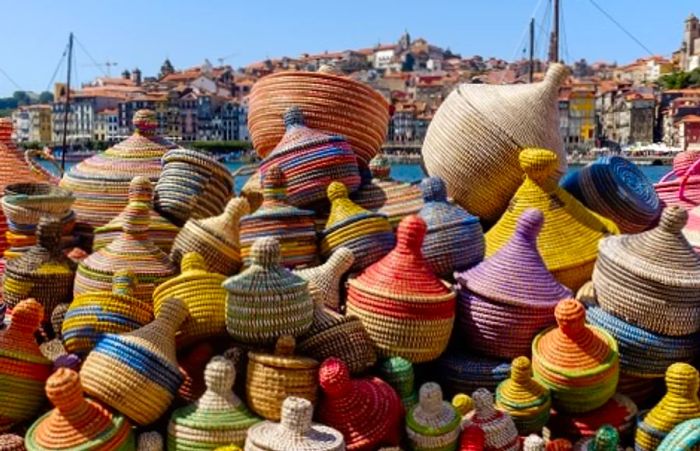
{"x": 527, "y": 401}
{"x": 202, "y": 293}
{"x": 681, "y": 186}
{"x": 691, "y": 231}
{"x": 161, "y": 231}
{"x": 433, "y": 423}
{"x": 218, "y": 418}
{"x": 579, "y": 363}
{"x": 295, "y": 431}
{"x": 685, "y": 436}
{"x": 311, "y": 160}
{"x": 324, "y": 280}
{"x": 678, "y": 405}
{"x": 569, "y": 238}
{"x": 23, "y": 368}
{"x": 77, "y": 423}
{"x": 405, "y": 308}
{"x": 499, "y": 428}
{"x": 620, "y": 412}
{"x": 95, "y": 313}
{"x": 266, "y": 300}
{"x": 367, "y": 411}
{"x": 368, "y": 235}
{"x": 454, "y": 240}
{"x": 293, "y": 227}
{"x": 216, "y": 239}
{"x": 398, "y": 372}
{"x": 459, "y": 372}
{"x": 136, "y": 373}
{"x": 508, "y": 298}
{"x": 652, "y": 279}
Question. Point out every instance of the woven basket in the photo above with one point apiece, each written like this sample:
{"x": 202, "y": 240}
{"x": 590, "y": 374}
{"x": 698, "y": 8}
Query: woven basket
{"x": 459, "y": 372}
{"x": 160, "y": 230}
{"x": 476, "y": 135}
{"x": 644, "y": 392}
{"x": 579, "y": 363}
{"x": 606, "y": 438}
{"x": 691, "y": 231}
{"x": 136, "y": 373}
{"x": 77, "y": 423}
{"x": 368, "y": 412}
{"x": 274, "y": 377}
{"x": 93, "y": 314}
{"x": 193, "y": 184}
{"x": 331, "y": 103}
{"x": 472, "y": 438}
{"x": 652, "y": 279}
{"x": 405, "y": 308}
{"x": 12, "y": 442}
{"x": 293, "y": 227}
{"x": 678, "y": 405}
{"x": 569, "y": 238}
{"x": 398, "y": 372}
{"x": 23, "y": 368}
{"x": 433, "y": 424}
{"x": 499, "y": 429}
{"x": 150, "y": 441}
{"x": 685, "y": 436}
{"x": 216, "y": 239}
{"x": 324, "y": 280}
{"x": 523, "y": 398}
{"x": 681, "y": 186}
{"x": 218, "y": 418}
{"x": 266, "y": 300}
{"x": 510, "y": 297}
{"x": 294, "y": 432}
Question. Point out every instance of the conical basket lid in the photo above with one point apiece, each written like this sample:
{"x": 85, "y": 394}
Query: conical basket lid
{"x": 275, "y": 203}
{"x": 324, "y": 280}
{"x": 17, "y": 340}
{"x": 299, "y": 136}
{"x": 433, "y": 416}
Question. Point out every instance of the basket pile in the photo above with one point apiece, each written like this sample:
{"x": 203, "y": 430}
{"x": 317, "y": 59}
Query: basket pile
{"x": 527, "y": 401}
{"x": 498, "y": 427}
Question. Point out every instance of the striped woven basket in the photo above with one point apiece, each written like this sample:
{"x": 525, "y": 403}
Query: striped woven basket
{"x": 681, "y": 186}
{"x": 398, "y": 372}
{"x": 433, "y": 424}
{"x": 523, "y": 398}
{"x": 476, "y": 135}
{"x": 499, "y": 429}
{"x": 324, "y": 280}
{"x": 136, "y": 373}
{"x": 459, "y": 372}
{"x": 685, "y": 437}
{"x": 272, "y": 378}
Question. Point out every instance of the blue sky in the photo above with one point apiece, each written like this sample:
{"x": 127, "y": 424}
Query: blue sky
{"x": 143, "y": 33}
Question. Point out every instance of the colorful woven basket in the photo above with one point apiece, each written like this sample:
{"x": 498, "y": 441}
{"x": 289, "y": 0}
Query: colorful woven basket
{"x": 202, "y": 293}
{"x": 652, "y": 279}
{"x": 218, "y": 418}
{"x": 691, "y": 231}
{"x": 433, "y": 424}
{"x": 274, "y": 377}
{"x": 569, "y": 238}
{"x": 579, "y": 363}
{"x": 23, "y": 369}
{"x": 294, "y": 432}
{"x": 367, "y": 411}
{"x": 454, "y": 240}
{"x": 476, "y": 135}
{"x": 136, "y": 373}
{"x": 161, "y": 231}
{"x": 681, "y": 186}
{"x": 93, "y": 314}
{"x": 193, "y": 362}
{"x": 293, "y": 227}
{"x": 684, "y": 437}
{"x": 267, "y": 300}
{"x": 678, "y": 405}
{"x": 472, "y": 439}
{"x": 398, "y": 372}
{"x": 605, "y": 439}
{"x": 311, "y": 160}
{"x": 193, "y": 184}
{"x": 216, "y": 239}
{"x": 527, "y": 401}
{"x": 77, "y": 423}
{"x": 510, "y": 297}
{"x": 405, "y": 308}
{"x": 459, "y": 372}
{"x": 12, "y": 442}
{"x": 644, "y": 392}
{"x": 43, "y": 272}
{"x": 368, "y": 235}
{"x": 331, "y": 103}
{"x": 499, "y": 428}
{"x": 324, "y": 280}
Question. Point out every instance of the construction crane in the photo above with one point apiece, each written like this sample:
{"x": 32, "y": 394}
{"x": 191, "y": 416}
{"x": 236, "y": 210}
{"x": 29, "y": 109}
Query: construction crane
{"x": 224, "y": 58}
{"x": 107, "y": 65}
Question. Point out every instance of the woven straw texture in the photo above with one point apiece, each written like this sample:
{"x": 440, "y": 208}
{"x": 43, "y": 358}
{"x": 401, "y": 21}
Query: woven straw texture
{"x": 691, "y": 231}
{"x": 644, "y": 392}
{"x": 500, "y": 432}
{"x": 150, "y": 441}
{"x": 458, "y": 372}
{"x": 12, "y": 442}
{"x": 23, "y": 369}
{"x": 476, "y": 135}
{"x": 652, "y": 279}
{"x": 161, "y": 231}
{"x": 267, "y": 300}
{"x": 324, "y": 280}
{"x": 433, "y": 424}
{"x": 368, "y": 235}
{"x": 678, "y": 405}
{"x": 579, "y": 363}
{"x": 398, "y": 372}
{"x": 681, "y": 186}
{"x": 96, "y": 313}
{"x": 367, "y": 411}
{"x": 685, "y": 436}
{"x": 193, "y": 184}
{"x": 331, "y": 103}
{"x": 405, "y": 308}
{"x": 136, "y": 373}
{"x": 293, "y": 227}
{"x": 606, "y": 439}
{"x": 454, "y": 240}
{"x": 77, "y": 423}
{"x": 272, "y": 378}
{"x": 523, "y": 398}
{"x": 216, "y": 239}
{"x": 295, "y": 431}
{"x": 507, "y": 299}
{"x": 202, "y": 293}
{"x": 569, "y": 238}
{"x": 218, "y": 418}
{"x": 472, "y": 438}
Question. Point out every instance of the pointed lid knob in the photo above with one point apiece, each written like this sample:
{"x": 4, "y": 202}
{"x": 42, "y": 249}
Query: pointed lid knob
{"x": 521, "y": 370}
{"x": 410, "y": 234}
{"x": 682, "y": 380}
{"x": 265, "y": 252}
{"x": 539, "y": 164}
{"x": 571, "y": 318}
{"x": 124, "y": 282}
{"x": 220, "y": 375}
{"x": 463, "y": 403}
{"x": 193, "y": 261}
{"x": 529, "y": 224}
{"x": 483, "y": 403}
{"x": 159, "y": 335}
{"x": 337, "y": 190}
{"x": 673, "y": 219}
{"x": 285, "y": 346}
{"x": 334, "y": 377}
{"x": 26, "y": 316}
{"x": 65, "y": 392}
{"x": 145, "y": 122}
{"x": 296, "y": 415}
{"x": 433, "y": 189}
{"x": 274, "y": 184}
{"x": 430, "y": 398}
{"x": 606, "y": 439}
{"x": 293, "y": 117}
{"x": 141, "y": 190}
{"x": 533, "y": 442}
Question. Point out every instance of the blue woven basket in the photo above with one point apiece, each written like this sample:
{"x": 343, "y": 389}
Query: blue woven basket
{"x": 459, "y": 372}
{"x": 684, "y": 437}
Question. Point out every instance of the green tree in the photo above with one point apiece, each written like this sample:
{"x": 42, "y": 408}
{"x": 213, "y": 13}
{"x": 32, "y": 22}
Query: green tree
{"x": 22, "y": 98}
{"x": 45, "y": 97}
{"x": 680, "y": 79}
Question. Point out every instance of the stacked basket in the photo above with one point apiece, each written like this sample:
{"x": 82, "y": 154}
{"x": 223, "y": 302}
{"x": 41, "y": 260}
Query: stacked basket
{"x": 499, "y": 429}
{"x": 433, "y": 423}
{"x": 523, "y": 398}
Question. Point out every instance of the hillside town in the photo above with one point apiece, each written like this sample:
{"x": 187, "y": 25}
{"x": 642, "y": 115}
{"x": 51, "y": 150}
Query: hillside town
{"x": 601, "y": 105}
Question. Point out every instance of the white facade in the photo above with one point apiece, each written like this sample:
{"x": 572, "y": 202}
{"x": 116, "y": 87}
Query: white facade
{"x": 383, "y": 59}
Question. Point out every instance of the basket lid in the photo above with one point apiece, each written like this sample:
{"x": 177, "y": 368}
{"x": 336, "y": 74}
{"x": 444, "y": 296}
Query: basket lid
{"x": 520, "y": 391}
{"x": 225, "y": 227}
{"x": 495, "y": 423}
{"x": 324, "y": 280}
{"x": 17, "y": 339}
{"x": 284, "y": 357}
{"x": 275, "y": 204}
{"x": 432, "y": 416}
{"x": 299, "y": 136}
{"x": 343, "y": 210}
{"x": 437, "y": 211}
{"x": 194, "y": 278}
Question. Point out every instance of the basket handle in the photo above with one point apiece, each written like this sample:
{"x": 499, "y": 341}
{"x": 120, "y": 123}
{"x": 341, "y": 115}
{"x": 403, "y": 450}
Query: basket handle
{"x": 30, "y": 158}
{"x": 691, "y": 171}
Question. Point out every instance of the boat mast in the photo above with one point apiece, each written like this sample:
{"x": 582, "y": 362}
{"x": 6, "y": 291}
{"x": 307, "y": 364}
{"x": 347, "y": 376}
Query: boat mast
{"x": 64, "y": 148}
{"x": 554, "y": 43}
{"x": 531, "y": 67}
